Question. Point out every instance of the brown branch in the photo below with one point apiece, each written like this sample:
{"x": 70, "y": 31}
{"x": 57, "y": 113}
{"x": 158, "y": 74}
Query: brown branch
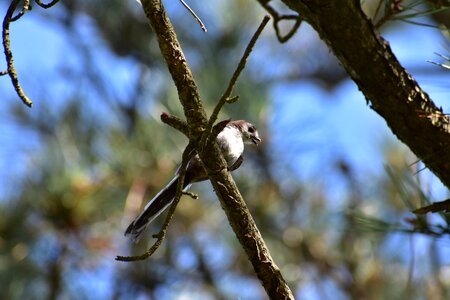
{"x": 48, "y": 5}
{"x": 231, "y": 200}
{"x": 277, "y": 18}
{"x": 388, "y": 87}
{"x": 178, "y": 67}
{"x": 162, "y": 233}
{"x": 443, "y": 206}
{"x": 240, "y": 67}
{"x": 7, "y": 49}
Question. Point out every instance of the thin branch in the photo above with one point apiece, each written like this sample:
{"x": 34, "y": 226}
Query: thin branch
{"x": 440, "y": 65}
{"x": 162, "y": 233}
{"x": 284, "y": 38}
{"x": 26, "y": 7}
{"x": 441, "y": 206}
{"x": 8, "y": 53}
{"x": 395, "y": 95}
{"x": 227, "y": 94}
{"x": 48, "y": 5}
{"x": 231, "y": 200}
{"x": 192, "y": 195}
{"x": 203, "y": 27}
{"x": 178, "y": 67}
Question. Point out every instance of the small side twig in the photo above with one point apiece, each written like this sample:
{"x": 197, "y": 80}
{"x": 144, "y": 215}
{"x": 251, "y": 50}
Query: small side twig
{"x": 192, "y": 195}
{"x": 162, "y": 233}
{"x": 441, "y": 206}
{"x": 202, "y": 26}
{"x": 26, "y": 7}
{"x": 176, "y": 123}
{"x": 446, "y": 66}
{"x": 11, "y": 71}
{"x": 226, "y": 97}
{"x": 48, "y": 5}
{"x": 277, "y": 18}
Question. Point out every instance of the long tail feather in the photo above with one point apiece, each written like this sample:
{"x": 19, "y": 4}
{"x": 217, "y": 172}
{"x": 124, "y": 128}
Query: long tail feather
{"x": 153, "y": 209}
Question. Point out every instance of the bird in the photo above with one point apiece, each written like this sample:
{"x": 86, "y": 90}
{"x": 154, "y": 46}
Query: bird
{"x": 231, "y": 142}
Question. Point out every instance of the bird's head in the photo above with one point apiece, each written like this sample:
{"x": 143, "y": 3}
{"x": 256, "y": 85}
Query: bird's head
{"x": 249, "y": 132}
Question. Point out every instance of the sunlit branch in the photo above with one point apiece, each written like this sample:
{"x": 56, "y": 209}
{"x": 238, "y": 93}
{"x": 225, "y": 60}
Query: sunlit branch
{"x": 195, "y": 16}
{"x": 26, "y": 6}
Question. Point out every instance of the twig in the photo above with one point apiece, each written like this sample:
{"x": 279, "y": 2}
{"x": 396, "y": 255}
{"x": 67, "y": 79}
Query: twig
{"x": 48, "y": 5}
{"x": 194, "y": 15}
{"x": 175, "y": 122}
{"x": 434, "y": 207}
{"x": 162, "y": 233}
{"x": 231, "y": 200}
{"x": 26, "y": 6}
{"x": 227, "y": 94}
{"x": 8, "y": 54}
{"x": 283, "y": 39}
{"x": 277, "y": 18}
{"x": 192, "y": 195}
{"x": 439, "y": 64}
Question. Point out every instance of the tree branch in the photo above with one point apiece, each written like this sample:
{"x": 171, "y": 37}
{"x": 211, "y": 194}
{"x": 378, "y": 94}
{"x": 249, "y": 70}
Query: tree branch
{"x": 231, "y": 200}
{"x": 176, "y": 123}
{"x": 226, "y": 97}
{"x": 11, "y": 71}
{"x": 187, "y": 153}
{"x": 388, "y": 87}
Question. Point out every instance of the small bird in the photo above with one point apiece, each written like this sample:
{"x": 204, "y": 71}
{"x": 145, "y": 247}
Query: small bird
{"x": 231, "y": 141}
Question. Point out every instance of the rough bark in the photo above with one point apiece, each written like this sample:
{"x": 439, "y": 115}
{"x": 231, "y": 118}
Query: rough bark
{"x": 391, "y": 91}
{"x": 231, "y": 200}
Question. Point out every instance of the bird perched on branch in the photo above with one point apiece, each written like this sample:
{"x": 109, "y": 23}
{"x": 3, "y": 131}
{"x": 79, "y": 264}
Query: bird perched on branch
{"x": 231, "y": 141}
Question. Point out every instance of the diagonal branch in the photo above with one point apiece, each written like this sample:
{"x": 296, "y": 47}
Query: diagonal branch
{"x": 162, "y": 233}
{"x": 231, "y": 200}
{"x": 388, "y": 87}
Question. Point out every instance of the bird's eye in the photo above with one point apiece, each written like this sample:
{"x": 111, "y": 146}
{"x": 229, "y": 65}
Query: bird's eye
{"x": 251, "y": 129}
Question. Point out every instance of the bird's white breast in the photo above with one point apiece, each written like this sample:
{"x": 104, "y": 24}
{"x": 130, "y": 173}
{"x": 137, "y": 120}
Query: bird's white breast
{"x": 231, "y": 144}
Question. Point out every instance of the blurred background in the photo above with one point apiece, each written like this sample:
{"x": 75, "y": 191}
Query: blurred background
{"x": 330, "y": 187}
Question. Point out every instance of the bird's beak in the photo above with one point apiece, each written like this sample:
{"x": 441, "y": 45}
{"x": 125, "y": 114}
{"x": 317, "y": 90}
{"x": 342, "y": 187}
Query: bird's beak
{"x": 256, "y": 140}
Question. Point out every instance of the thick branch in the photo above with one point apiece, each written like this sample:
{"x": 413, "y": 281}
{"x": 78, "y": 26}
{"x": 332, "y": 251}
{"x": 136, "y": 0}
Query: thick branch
{"x": 391, "y": 91}
{"x": 230, "y": 198}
